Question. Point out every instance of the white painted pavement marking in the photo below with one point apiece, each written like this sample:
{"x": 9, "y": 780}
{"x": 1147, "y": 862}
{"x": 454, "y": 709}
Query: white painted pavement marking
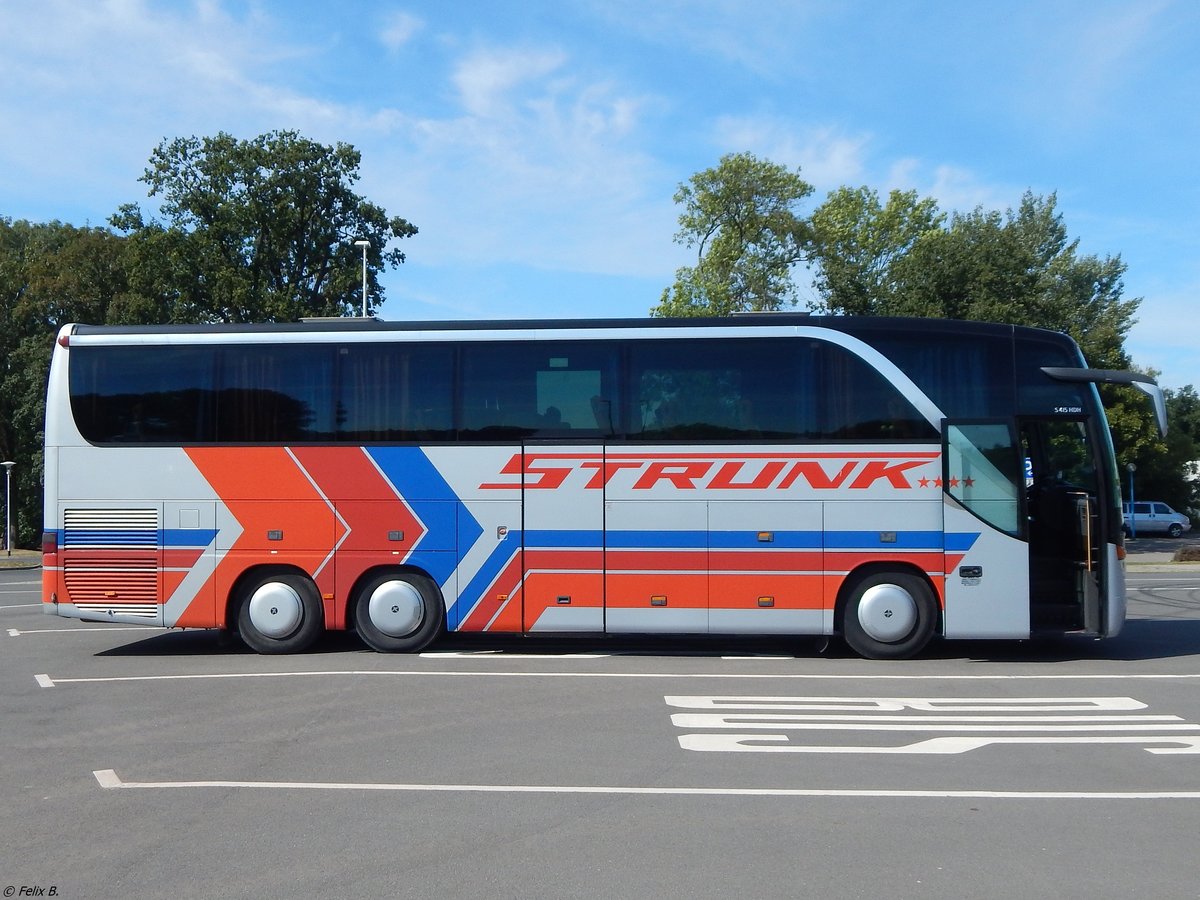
{"x": 784, "y": 722}
{"x": 728, "y": 676}
{"x": 494, "y": 654}
{"x": 19, "y": 606}
{"x": 759, "y": 743}
{"x": 970, "y": 731}
{"x": 896, "y": 704}
{"x": 502, "y": 654}
{"x": 109, "y": 780}
{"x": 100, "y": 628}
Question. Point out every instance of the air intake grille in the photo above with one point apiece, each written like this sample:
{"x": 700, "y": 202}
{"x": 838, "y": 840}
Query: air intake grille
{"x": 110, "y": 561}
{"x": 113, "y": 529}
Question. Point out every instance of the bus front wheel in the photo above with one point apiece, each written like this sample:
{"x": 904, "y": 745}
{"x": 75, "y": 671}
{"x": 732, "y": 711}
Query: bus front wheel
{"x": 889, "y": 615}
{"x": 280, "y": 613}
{"x": 399, "y": 612}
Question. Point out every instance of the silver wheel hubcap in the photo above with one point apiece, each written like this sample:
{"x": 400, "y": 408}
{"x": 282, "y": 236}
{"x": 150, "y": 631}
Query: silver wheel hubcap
{"x": 276, "y": 610}
{"x": 396, "y": 608}
{"x": 887, "y": 612}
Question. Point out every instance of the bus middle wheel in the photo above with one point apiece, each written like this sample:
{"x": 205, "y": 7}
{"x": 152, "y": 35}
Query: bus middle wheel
{"x": 399, "y": 612}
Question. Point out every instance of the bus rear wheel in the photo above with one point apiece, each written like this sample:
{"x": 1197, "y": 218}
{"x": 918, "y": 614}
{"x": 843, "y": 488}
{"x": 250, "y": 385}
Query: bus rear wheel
{"x": 280, "y": 613}
{"x": 889, "y": 615}
{"x": 399, "y": 612}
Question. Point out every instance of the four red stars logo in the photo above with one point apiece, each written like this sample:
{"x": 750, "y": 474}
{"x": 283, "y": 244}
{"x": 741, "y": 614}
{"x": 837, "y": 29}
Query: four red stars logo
{"x": 954, "y": 482}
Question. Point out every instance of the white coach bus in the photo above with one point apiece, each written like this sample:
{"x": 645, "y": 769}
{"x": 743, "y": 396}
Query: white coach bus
{"x": 888, "y": 480}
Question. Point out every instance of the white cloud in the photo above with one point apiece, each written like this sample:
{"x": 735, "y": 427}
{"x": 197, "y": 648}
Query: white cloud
{"x": 1078, "y": 73}
{"x": 487, "y": 79}
{"x": 539, "y": 164}
{"x": 765, "y": 37}
{"x": 1157, "y": 340}
{"x": 398, "y": 29}
{"x": 958, "y": 189}
{"x": 827, "y": 157}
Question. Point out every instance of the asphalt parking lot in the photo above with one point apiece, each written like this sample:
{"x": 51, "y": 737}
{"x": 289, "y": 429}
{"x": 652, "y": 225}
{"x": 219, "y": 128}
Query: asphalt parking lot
{"x": 140, "y": 762}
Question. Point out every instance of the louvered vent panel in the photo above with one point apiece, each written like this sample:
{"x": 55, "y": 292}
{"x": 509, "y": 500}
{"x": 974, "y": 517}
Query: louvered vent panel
{"x": 124, "y": 580}
{"x": 111, "y": 561}
{"x": 113, "y": 529}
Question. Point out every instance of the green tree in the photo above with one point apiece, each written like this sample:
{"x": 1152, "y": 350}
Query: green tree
{"x": 861, "y": 244}
{"x": 1019, "y": 268}
{"x": 50, "y": 274}
{"x": 742, "y": 219}
{"x": 258, "y": 230}
{"x": 254, "y": 231}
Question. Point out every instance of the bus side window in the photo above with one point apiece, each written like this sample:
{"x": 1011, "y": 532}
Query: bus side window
{"x": 858, "y": 403}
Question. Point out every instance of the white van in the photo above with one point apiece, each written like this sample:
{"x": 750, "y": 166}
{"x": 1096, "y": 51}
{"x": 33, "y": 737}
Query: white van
{"x": 1153, "y": 517}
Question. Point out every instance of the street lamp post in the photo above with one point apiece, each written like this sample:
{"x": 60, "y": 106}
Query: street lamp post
{"x": 1131, "y": 468}
{"x": 364, "y": 245}
{"x": 8, "y": 467}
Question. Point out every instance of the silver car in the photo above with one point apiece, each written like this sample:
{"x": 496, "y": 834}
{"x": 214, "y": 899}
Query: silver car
{"x": 1153, "y": 517}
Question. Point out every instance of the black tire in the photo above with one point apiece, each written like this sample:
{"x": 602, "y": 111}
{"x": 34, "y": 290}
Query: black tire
{"x": 1176, "y": 530}
{"x": 280, "y": 613}
{"x": 399, "y": 612}
{"x": 889, "y": 615}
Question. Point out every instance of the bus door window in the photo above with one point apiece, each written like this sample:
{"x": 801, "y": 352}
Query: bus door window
{"x": 982, "y": 472}
{"x": 1059, "y": 466}
{"x": 1064, "y": 537}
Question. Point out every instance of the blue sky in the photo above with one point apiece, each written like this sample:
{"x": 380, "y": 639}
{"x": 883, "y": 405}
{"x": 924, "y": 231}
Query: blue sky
{"x": 537, "y": 144}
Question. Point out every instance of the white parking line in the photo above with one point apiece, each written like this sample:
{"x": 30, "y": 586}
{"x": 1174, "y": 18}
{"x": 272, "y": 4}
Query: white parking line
{"x": 109, "y": 780}
{"x": 100, "y": 628}
{"x": 48, "y": 681}
{"x": 493, "y": 654}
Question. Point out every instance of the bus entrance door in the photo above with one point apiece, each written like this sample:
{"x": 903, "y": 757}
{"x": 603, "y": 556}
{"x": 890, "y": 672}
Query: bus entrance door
{"x": 985, "y": 558}
{"x": 1065, "y": 546}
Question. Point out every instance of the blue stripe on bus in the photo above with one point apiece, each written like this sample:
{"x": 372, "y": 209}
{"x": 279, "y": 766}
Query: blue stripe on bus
{"x": 655, "y": 540}
{"x": 749, "y": 540}
{"x": 903, "y": 540}
{"x": 544, "y": 539}
{"x": 129, "y": 537}
{"x": 960, "y": 543}
{"x": 188, "y": 537}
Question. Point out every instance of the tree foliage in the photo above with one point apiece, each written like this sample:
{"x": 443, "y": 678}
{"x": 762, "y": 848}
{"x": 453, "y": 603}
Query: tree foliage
{"x": 1019, "y": 267}
{"x": 861, "y": 247}
{"x": 742, "y": 219}
{"x": 258, "y": 230}
{"x": 50, "y": 274}
{"x": 254, "y": 230}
